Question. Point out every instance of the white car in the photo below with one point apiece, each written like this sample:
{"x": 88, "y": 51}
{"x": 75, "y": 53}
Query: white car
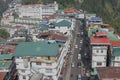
{"x": 76, "y": 46}
{"x": 79, "y": 77}
{"x": 79, "y": 56}
{"x": 80, "y": 41}
{"x": 73, "y": 64}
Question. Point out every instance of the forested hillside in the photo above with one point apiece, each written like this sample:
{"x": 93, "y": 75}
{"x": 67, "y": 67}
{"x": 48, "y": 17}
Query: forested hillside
{"x": 109, "y": 10}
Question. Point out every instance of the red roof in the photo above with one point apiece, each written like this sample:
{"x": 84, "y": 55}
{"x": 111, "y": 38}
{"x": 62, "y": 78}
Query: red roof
{"x": 2, "y": 75}
{"x": 18, "y": 27}
{"x": 69, "y": 10}
{"x": 106, "y": 25}
{"x": 101, "y": 33}
{"x": 99, "y": 40}
{"x": 60, "y": 37}
{"x": 115, "y": 43}
{"x": 109, "y": 73}
{"x": 1, "y": 39}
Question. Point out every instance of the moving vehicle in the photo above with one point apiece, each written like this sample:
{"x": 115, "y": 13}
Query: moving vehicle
{"x": 73, "y": 64}
{"x": 79, "y": 77}
{"x": 79, "y": 56}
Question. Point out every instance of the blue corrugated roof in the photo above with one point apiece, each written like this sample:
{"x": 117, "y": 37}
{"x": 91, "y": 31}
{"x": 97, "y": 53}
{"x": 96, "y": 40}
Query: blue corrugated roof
{"x": 96, "y": 19}
{"x": 43, "y": 22}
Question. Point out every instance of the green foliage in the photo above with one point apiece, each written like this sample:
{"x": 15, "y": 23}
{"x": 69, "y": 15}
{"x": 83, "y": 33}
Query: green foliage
{"x": 30, "y": 1}
{"x": 3, "y": 7}
{"x": 62, "y": 3}
{"x": 109, "y": 10}
{"x": 4, "y": 34}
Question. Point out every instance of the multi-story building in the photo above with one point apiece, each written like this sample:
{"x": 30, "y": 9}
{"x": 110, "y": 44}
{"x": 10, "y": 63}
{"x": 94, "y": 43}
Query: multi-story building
{"x": 40, "y": 60}
{"x": 50, "y": 9}
{"x": 100, "y": 49}
{"x": 37, "y": 11}
{"x": 95, "y": 21}
{"x": 108, "y": 73}
{"x": 7, "y": 67}
{"x": 115, "y": 54}
{"x": 30, "y": 11}
{"x": 63, "y": 26}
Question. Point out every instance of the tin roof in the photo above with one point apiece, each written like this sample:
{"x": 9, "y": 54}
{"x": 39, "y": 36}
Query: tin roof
{"x": 115, "y": 43}
{"x": 112, "y": 73}
{"x": 96, "y": 19}
{"x": 2, "y": 75}
{"x": 62, "y": 23}
{"x": 116, "y": 51}
{"x": 42, "y": 48}
{"x": 99, "y": 40}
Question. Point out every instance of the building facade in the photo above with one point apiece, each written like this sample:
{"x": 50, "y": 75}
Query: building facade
{"x": 100, "y": 50}
{"x": 37, "y": 11}
{"x": 47, "y": 64}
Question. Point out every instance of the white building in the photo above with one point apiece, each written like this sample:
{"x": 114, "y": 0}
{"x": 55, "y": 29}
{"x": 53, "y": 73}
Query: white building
{"x": 37, "y": 10}
{"x": 30, "y": 11}
{"x": 49, "y": 9}
{"x": 63, "y": 26}
{"x": 43, "y": 59}
{"x": 115, "y": 53}
{"x": 100, "y": 50}
{"x": 7, "y": 18}
{"x": 99, "y": 56}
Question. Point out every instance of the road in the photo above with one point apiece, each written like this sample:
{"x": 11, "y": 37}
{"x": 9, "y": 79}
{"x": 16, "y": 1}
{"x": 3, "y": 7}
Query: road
{"x": 76, "y": 70}
{"x": 72, "y": 71}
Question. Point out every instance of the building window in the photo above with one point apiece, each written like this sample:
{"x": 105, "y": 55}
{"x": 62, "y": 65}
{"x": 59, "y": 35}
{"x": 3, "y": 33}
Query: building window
{"x": 38, "y": 63}
{"x": 48, "y": 64}
{"x": 24, "y": 77}
{"x": 117, "y": 58}
{"x": 48, "y": 70}
{"x": 99, "y": 63}
{"x": 101, "y": 51}
{"x": 97, "y": 51}
{"x": 23, "y": 71}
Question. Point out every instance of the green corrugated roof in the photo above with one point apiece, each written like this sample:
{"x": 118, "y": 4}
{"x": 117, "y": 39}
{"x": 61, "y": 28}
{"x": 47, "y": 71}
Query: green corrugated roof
{"x": 112, "y": 36}
{"x": 94, "y": 72}
{"x": 43, "y": 27}
{"x": 6, "y": 56}
{"x": 5, "y": 64}
{"x": 116, "y": 51}
{"x": 90, "y": 32}
{"x": 42, "y": 48}
{"x": 63, "y": 23}
{"x": 3, "y": 42}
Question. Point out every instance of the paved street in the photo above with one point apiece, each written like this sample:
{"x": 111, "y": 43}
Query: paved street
{"x": 79, "y": 46}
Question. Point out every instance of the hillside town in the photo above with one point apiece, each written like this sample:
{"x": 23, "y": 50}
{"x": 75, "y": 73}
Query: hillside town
{"x": 47, "y": 43}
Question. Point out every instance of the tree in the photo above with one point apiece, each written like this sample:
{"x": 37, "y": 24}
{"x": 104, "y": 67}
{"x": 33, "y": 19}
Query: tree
{"x": 4, "y": 34}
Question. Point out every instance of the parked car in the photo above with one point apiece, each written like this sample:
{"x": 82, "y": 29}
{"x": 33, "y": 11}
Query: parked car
{"x": 79, "y": 65}
{"x": 81, "y": 41}
{"x": 79, "y": 77}
{"x": 73, "y": 64}
{"x": 79, "y": 56}
{"x": 76, "y": 46}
